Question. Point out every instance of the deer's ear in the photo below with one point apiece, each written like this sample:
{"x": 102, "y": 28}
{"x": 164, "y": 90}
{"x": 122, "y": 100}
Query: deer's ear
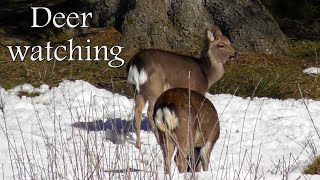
{"x": 210, "y": 36}
{"x": 216, "y": 31}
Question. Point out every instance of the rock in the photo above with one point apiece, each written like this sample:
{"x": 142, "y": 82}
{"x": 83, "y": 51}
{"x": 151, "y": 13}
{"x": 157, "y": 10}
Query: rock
{"x": 248, "y": 24}
{"x": 180, "y": 24}
{"x": 175, "y": 24}
{"x": 104, "y": 11}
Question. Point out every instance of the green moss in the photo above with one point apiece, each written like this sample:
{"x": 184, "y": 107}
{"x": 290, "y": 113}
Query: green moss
{"x": 130, "y": 21}
{"x": 112, "y": 23}
{"x": 304, "y": 49}
{"x": 56, "y": 35}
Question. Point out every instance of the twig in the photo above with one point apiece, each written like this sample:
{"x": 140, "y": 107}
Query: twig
{"x": 309, "y": 113}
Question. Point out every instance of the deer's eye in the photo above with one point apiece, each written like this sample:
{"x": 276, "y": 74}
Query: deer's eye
{"x": 221, "y": 46}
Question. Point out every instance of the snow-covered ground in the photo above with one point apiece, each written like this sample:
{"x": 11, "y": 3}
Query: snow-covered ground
{"x": 312, "y": 70}
{"x": 261, "y": 138}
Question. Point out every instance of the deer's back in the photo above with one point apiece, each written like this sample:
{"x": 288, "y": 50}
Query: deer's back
{"x": 203, "y": 115}
{"x": 171, "y": 69}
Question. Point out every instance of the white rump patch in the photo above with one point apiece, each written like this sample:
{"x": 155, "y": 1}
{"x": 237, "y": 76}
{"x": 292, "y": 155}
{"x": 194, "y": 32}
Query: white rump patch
{"x": 166, "y": 119}
{"x": 170, "y": 118}
{"x": 137, "y": 78}
{"x": 159, "y": 120}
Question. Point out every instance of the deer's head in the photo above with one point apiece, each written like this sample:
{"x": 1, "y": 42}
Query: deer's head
{"x": 219, "y": 46}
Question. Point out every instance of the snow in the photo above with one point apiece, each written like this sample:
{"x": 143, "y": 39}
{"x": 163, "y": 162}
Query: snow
{"x": 312, "y": 70}
{"x": 263, "y": 137}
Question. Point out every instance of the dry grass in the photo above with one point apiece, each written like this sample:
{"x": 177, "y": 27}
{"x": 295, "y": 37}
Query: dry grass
{"x": 52, "y": 73}
{"x": 314, "y": 168}
{"x": 280, "y": 75}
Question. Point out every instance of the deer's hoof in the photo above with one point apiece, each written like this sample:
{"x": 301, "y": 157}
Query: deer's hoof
{"x": 138, "y": 145}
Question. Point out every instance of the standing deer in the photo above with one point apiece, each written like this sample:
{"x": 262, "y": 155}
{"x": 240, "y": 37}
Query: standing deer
{"x": 154, "y": 71}
{"x": 187, "y": 120}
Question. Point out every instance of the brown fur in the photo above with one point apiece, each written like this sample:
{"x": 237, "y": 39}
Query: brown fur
{"x": 166, "y": 70}
{"x": 203, "y": 128}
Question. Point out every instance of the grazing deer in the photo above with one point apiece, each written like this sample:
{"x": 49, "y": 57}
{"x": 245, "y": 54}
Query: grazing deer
{"x": 187, "y": 120}
{"x": 154, "y": 71}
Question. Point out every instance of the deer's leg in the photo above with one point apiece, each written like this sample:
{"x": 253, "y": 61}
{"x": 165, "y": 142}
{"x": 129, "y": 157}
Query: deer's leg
{"x": 181, "y": 161}
{"x": 205, "y": 155}
{"x": 139, "y": 104}
{"x": 181, "y": 157}
{"x": 193, "y": 161}
{"x": 197, "y": 160}
{"x": 167, "y": 146}
{"x": 151, "y": 121}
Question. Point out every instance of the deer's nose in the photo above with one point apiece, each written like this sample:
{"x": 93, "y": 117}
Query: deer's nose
{"x": 233, "y": 56}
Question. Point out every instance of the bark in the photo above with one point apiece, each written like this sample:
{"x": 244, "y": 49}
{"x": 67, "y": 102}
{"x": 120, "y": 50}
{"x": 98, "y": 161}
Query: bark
{"x": 174, "y": 24}
{"x": 181, "y": 24}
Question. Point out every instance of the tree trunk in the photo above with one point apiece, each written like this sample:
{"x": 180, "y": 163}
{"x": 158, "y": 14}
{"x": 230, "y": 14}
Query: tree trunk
{"x": 181, "y": 24}
{"x": 178, "y": 24}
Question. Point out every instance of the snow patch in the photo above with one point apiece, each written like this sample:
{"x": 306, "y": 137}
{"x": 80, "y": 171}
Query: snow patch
{"x": 270, "y": 132}
{"x": 312, "y": 70}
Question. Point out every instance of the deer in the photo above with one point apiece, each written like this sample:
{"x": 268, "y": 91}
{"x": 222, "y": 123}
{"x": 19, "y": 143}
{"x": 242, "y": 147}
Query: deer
{"x": 153, "y": 71}
{"x": 187, "y": 121}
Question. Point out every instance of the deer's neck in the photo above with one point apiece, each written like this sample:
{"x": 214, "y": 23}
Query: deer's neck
{"x": 213, "y": 71}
